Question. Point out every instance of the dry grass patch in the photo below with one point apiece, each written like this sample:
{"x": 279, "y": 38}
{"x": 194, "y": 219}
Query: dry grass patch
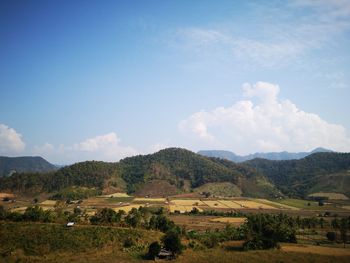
{"x": 215, "y": 204}
{"x": 127, "y": 208}
{"x": 231, "y": 220}
{"x": 116, "y": 195}
{"x": 229, "y": 204}
{"x": 331, "y": 251}
{"x": 48, "y": 202}
{"x": 182, "y": 208}
{"x": 187, "y": 202}
{"x": 3, "y": 195}
{"x": 19, "y": 209}
{"x": 253, "y": 205}
{"x": 330, "y": 196}
{"x": 156, "y": 200}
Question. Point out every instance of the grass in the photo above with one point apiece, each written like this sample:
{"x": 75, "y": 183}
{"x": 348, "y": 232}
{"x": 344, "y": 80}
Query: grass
{"x": 223, "y": 256}
{"x": 119, "y": 199}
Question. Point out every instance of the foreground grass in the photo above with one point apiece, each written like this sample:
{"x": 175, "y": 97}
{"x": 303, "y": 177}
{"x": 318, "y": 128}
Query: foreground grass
{"x": 221, "y": 255}
{"x": 35, "y": 239}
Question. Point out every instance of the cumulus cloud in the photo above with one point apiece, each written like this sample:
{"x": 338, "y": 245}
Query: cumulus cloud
{"x": 105, "y": 147}
{"x": 263, "y": 122}
{"x": 11, "y": 142}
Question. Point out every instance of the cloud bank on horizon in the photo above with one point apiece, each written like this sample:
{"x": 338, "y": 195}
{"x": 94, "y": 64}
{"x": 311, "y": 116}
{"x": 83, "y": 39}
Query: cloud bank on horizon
{"x": 262, "y": 122}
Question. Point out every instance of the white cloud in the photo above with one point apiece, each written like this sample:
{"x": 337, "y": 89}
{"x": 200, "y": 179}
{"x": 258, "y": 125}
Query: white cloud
{"x": 269, "y": 124}
{"x": 10, "y": 141}
{"x": 105, "y": 147}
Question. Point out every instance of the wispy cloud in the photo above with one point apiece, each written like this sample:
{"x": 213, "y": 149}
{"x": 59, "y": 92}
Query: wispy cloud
{"x": 285, "y": 36}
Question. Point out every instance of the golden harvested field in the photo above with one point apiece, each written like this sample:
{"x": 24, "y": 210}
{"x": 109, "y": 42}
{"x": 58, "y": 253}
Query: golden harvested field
{"x": 330, "y": 196}
{"x": 277, "y": 205}
{"x": 116, "y": 195}
{"x": 48, "y": 202}
{"x": 215, "y": 204}
{"x": 199, "y": 223}
{"x": 183, "y": 208}
{"x": 127, "y": 208}
{"x": 252, "y": 204}
{"x": 187, "y": 202}
{"x": 346, "y": 207}
{"x": 150, "y": 200}
{"x": 331, "y": 251}
{"x": 231, "y": 220}
{"x": 3, "y": 195}
{"x": 229, "y": 204}
{"x": 19, "y": 209}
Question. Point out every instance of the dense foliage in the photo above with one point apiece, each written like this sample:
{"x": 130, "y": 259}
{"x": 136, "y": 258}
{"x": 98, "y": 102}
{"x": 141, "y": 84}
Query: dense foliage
{"x": 296, "y": 177}
{"x": 184, "y": 171}
{"x": 264, "y": 231}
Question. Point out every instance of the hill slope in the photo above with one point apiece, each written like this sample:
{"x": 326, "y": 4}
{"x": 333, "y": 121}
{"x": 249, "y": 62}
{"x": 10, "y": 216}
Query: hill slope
{"x": 166, "y": 172}
{"x": 301, "y": 177}
{"x": 9, "y": 165}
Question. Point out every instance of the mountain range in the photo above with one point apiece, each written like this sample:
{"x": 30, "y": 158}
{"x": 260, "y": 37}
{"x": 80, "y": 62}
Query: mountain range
{"x": 268, "y": 155}
{"x": 10, "y": 165}
{"x": 174, "y": 171}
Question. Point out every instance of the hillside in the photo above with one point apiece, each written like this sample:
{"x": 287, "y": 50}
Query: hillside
{"x": 269, "y": 155}
{"x": 166, "y": 172}
{"x": 10, "y": 165}
{"x": 317, "y": 172}
{"x": 173, "y": 171}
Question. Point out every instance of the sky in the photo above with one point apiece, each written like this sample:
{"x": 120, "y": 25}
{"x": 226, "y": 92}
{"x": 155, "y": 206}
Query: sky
{"x": 103, "y": 80}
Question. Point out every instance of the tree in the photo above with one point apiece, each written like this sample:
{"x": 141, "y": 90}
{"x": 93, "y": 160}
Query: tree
{"x": 153, "y": 250}
{"x": 331, "y": 236}
{"x": 343, "y": 230}
{"x": 172, "y": 241}
{"x": 105, "y": 216}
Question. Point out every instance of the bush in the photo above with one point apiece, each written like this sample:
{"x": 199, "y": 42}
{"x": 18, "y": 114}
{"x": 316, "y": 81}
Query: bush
{"x": 153, "y": 250}
{"x": 172, "y": 241}
{"x": 331, "y": 236}
{"x": 129, "y": 242}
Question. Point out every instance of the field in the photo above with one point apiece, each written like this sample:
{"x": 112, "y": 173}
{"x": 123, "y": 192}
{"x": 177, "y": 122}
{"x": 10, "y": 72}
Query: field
{"x": 253, "y": 204}
{"x": 232, "y": 220}
{"x": 215, "y": 204}
{"x": 3, "y": 195}
{"x": 330, "y": 196}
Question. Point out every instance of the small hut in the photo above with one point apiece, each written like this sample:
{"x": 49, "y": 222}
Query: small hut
{"x": 165, "y": 254}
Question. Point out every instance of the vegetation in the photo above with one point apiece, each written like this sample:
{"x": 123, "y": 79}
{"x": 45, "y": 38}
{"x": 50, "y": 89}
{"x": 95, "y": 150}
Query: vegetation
{"x": 298, "y": 177}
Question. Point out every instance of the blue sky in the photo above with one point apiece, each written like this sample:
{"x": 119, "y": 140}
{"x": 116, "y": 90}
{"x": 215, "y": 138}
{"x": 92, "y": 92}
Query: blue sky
{"x": 107, "y": 79}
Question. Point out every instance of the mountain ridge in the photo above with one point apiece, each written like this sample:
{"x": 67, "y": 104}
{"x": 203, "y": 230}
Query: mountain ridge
{"x": 10, "y": 165}
{"x": 284, "y": 155}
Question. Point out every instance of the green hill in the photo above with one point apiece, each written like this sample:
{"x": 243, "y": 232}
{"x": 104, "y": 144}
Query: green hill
{"x": 10, "y": 165}
{"x": 168, "y": 171}
{"x": 174, "y": 170}
{"x": 312, "y": 173}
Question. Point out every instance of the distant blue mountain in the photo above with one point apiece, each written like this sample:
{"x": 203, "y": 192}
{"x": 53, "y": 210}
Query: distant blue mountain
{"x": 11, "y": 165}
{"x": 269, "y": 155}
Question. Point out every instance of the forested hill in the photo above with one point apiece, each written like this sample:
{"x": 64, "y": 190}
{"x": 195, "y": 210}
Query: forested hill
{"x": 9, "y": 165}
{"x": 300, "y": 177}
{"x": 174, "y": 169}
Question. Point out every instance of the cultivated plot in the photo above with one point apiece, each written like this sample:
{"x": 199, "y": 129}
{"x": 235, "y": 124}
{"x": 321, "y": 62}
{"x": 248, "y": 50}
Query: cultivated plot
{"x": 215, "y": 204}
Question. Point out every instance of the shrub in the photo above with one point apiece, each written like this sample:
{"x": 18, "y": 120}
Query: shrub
{"x": 172, "y": 241}
{"x": 153, "y": 250}
{"x": 331, "y": 236}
